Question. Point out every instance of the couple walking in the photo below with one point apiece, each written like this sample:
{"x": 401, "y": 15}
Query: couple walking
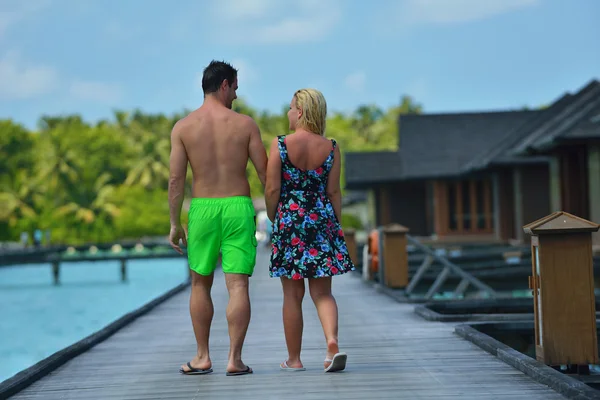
{"x": 303, "y": 198}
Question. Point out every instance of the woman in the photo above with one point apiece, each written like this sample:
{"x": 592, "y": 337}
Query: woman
{"x": 304, "y": 202}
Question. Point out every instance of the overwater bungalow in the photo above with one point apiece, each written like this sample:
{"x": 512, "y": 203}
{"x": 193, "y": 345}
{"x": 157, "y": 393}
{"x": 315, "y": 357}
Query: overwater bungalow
{"x": 481, "y": 176}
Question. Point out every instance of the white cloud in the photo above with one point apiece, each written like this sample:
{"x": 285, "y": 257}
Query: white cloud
{"x": 272, "y": 21}
{"x": 246, "y": 72}
{"x": 457, "y": 11}
{"x": 238, "y": 10}
{"x": 19, "y": 80}
{"x": 356, "y": 81}
{"x": 13, "y": 12}
{"x": 100, "y": 92}
{"x": 22, "y": 81}
{"x": 6, "y": 20}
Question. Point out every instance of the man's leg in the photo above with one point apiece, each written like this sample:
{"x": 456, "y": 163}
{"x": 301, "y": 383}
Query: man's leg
{"x": 238, "y": 249}
{"x": 238, "y": 319}
{"x": 204, "y": 237}
{"x": 201, "y": 312}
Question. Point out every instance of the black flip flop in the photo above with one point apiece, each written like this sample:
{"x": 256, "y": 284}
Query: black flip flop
{"x": 248, "y": 370}
{"x": 195, "y": 371}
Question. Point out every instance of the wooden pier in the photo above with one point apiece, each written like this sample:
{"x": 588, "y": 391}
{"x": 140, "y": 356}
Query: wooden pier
{"x": 392, "y": 352}
{"x": 92, "y": 254}
{"x": 56, "y": 261}
{"x": 41, "y": 255}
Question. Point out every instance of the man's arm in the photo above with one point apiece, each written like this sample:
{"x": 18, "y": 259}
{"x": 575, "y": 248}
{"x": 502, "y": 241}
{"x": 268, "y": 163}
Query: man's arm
{"x": 177, "y": 172}
{"x": 273, "y": 187}
{"x": 257, "y": 152}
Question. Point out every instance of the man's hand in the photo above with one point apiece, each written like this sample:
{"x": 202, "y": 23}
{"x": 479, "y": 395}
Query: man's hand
{"x": 177, "y": 233}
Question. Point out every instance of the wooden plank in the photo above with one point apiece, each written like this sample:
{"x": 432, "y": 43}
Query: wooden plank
{"x": 384, "y": 205}
{"x": 474, "y": 207}
{"x": 487, "y": 201}
{"x": 458, "y": 210}
{"x": 440, "y": 217}
{"x": 391, "y": 351}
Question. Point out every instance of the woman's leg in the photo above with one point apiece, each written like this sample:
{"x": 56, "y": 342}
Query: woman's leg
{"x": 320, "y": 292}
{"x": 293, "y": 293}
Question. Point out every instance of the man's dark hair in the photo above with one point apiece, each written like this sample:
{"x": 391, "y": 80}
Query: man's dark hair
{"x": 215, "y": 73}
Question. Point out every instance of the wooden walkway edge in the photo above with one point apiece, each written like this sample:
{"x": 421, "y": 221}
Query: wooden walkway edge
{"x": 42, "y": 368}
{"x": 392, "y": 354}
{"x": 559, "y": 381}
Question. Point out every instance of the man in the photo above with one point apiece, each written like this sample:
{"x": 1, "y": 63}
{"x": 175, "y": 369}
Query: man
{"x": 217, "y": 142}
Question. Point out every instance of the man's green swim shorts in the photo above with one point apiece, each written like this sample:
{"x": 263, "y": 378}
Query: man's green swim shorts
{"x": 224, "y": 224}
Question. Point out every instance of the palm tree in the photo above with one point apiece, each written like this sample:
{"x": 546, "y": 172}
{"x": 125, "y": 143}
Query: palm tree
{"x": 151, "y": 169}
{"x": 100, "y": 205}
{"x": 122, "y": 118}
{"x": 364, "y": 117}
{"x": 19, "y": 203}
{"x": 58, "y": 163}
{"x": 47, "y": 123}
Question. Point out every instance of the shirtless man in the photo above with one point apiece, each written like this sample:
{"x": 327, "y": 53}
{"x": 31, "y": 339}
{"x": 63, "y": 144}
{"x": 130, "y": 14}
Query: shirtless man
{"x": 217, "y": 142}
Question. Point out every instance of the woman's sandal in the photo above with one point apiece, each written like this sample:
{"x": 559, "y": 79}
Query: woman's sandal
{"x": 285, "y": 367}
{"x": 338, "y": 362}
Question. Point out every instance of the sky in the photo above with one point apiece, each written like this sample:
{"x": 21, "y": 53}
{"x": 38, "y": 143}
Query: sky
{"x": 91, "y": 57}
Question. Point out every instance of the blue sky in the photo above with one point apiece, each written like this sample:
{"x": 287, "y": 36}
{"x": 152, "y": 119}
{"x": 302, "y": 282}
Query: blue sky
{"x": 93, "y": 56}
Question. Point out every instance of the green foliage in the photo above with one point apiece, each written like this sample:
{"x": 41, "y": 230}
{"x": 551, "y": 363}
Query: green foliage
{"x": 108, "y": 181}
{"x": 142, "y": 212}
{"x": 351, "y": 221}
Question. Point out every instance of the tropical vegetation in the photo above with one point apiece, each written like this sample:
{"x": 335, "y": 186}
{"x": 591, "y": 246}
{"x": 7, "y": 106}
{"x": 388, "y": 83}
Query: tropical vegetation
{"x": 107, "y": 181}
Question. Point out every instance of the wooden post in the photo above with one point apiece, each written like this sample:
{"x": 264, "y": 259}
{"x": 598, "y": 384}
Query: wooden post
{"x": 123, "y": 269}
{"x": 395, "y": 256}
{"x": 350, "y": 237}
{"x": 56, "y": 272}
{"x": 562, "y": 282}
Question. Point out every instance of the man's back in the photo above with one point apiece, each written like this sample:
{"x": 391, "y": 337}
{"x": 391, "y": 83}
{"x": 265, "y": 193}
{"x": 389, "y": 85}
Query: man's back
{"x": 218, "y": 143}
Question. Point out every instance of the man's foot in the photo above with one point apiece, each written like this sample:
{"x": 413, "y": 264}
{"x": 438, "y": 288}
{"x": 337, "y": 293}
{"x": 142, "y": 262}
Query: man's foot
{"x": 237, "y": 368}
{"x": 241, "y": 371}
{"x": 332, "y": 350}
{"x": 197, "y": 367}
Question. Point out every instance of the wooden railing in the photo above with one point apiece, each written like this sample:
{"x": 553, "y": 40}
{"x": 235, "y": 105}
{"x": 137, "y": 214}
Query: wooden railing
{"x": 387, "y": 262}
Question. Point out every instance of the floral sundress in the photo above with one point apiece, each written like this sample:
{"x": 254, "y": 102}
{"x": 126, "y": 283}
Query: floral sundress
{"x": 308, "y": 240}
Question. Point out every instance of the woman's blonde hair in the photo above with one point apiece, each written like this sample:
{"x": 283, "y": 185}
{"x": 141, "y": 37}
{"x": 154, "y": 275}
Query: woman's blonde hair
{"x": 314, "y": 110}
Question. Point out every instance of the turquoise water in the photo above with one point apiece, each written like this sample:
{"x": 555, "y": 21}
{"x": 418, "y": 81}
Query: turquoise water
{"x": 38, "y": 319}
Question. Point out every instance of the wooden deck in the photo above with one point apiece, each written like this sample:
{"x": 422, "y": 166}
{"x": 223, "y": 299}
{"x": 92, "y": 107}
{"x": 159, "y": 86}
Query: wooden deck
{"x": 392, "y": 354}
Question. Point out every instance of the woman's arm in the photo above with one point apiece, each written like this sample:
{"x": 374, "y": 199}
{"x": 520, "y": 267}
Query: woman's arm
{"x": 334, "y": 192}
{"x": 273, "y": 186}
